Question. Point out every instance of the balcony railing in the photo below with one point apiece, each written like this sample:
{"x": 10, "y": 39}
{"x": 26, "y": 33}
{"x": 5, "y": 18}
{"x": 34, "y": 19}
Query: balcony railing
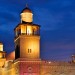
{"x": 28, "y": 34}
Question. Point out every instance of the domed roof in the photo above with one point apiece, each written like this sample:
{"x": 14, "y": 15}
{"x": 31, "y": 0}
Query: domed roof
{"x": 1, "y": 43}
{"x": 26, "y": 10}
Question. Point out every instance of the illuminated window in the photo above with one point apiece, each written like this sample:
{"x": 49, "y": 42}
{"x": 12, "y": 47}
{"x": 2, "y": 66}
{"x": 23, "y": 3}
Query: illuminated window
{"x": 28, "y": 32}
{"x": 29, "y": 50}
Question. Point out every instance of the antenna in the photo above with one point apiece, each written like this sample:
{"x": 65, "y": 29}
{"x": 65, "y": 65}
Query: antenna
{"x": 26, "y": 5}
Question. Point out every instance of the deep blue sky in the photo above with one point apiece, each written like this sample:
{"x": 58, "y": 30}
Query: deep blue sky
{"x": 57, "y": 20}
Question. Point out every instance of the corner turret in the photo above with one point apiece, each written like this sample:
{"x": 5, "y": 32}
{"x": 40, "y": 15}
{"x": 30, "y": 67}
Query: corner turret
{"x": 2, "y": 56}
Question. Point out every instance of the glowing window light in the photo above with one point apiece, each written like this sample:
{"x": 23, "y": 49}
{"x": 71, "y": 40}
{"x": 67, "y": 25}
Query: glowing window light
{"x": 29, "y": 30}
{"x": 1, "y": 47}
{"x": 49, "y": 62}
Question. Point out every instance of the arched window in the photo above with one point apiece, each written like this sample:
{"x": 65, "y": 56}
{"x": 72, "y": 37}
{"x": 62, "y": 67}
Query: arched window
{"x": 29, "y": 50}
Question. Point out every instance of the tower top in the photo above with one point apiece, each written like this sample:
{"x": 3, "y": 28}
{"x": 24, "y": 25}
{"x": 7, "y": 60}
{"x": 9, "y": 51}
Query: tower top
{"x": 26, "y": 15}
{"x": 27, "y": 9}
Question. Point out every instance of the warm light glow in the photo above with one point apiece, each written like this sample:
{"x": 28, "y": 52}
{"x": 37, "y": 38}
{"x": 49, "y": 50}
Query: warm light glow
{"x": 0, "y": 55}
{"x": 1, "y": 47}
{"x": 23, "y": 29}
{"x": 29, "y": 30}
{"x": 27, "y": 17}
{"x": 49, "y": 62}
{"x": 2, "y": 61}
{"x": 30, "y": 47}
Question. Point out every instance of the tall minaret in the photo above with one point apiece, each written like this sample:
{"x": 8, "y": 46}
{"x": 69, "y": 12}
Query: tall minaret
{"x": 2, "y": 56}
{"x": 27, "y": 37}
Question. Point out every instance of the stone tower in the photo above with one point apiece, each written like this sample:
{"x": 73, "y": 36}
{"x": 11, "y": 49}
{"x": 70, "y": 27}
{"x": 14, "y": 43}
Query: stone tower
{"x": 27, "y": 45}
{"x": 27, "y": 37}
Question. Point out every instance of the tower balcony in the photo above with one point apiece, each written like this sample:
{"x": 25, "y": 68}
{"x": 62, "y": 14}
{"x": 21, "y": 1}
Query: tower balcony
{"x": 27, "y": 29}
{"x": 27, "y": 34}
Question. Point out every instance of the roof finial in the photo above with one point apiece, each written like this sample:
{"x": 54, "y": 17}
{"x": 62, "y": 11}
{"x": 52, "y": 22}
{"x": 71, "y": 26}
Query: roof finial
{"x": 26, "y": 5}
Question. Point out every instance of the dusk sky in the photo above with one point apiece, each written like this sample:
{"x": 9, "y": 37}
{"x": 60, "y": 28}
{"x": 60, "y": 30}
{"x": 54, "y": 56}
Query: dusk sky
{"x": 57, "y": 20}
